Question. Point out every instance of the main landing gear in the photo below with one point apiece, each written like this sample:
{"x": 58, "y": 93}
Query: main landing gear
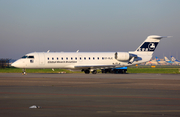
{"x": 87, "y": 71}
{"x": 24, "y": 72}
{"x": 94, "y": 72}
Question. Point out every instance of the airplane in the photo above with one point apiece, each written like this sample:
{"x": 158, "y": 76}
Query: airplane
{"x": 175, "y": 60}
{"x": 159, "y": 61}
{"x": 89, "y": 61}
{"x": 152, "y": 62}
{"x": 167, "y": 60}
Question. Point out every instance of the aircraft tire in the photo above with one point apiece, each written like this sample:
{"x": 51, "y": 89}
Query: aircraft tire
{"x": 94, "y": 72}
{"x": 103, "y": 71}
{"x": 86, "y": 71}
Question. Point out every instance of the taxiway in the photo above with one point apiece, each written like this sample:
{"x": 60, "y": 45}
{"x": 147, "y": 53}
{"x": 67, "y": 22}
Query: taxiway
{"x": 88, "y": 95}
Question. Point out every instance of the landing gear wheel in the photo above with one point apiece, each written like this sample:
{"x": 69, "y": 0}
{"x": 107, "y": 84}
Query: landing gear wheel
{"x": 86, "y": 71}
{"x": 94, "y": 72}
{"x": 24, "y": 72}
{"x": 103, "y": 71}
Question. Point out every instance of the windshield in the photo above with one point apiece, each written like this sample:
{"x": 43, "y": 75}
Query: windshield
{"x": 24, "y": 56}
{"x": 27, "y": 56}
{"x": 30, "y": 56}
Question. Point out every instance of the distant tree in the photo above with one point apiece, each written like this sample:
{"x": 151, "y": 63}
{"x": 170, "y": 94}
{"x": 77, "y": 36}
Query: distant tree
{"x": 4, "y": 62}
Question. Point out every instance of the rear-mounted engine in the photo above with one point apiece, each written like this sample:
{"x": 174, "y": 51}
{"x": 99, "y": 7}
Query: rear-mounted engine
{"x": 122, "y": 56}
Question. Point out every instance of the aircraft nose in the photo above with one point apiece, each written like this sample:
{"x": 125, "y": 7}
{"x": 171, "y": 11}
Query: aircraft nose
{"x": 15, "y": 64}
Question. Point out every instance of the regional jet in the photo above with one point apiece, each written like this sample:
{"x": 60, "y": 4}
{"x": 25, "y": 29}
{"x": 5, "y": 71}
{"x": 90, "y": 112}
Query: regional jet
{"x": 89, "y": 61}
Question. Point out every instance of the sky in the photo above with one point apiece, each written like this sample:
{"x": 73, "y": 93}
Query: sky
{"x": 87, "y": 25}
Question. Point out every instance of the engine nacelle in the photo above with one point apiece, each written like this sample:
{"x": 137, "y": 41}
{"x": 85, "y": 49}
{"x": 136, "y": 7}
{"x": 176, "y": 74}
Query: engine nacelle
{"x": 122, "y": 56}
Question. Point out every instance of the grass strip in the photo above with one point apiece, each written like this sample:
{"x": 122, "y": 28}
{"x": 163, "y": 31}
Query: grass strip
{"x": 154, "y": 70}
{"x": 129, "y": 70}
{"x": 17, "y": 70}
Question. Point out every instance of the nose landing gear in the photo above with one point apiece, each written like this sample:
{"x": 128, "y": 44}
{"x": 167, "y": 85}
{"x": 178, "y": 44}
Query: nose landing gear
{"x": 24, "y": 72}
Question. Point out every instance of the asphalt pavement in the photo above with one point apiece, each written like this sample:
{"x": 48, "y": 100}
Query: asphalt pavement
{"x": 87, "y": 95}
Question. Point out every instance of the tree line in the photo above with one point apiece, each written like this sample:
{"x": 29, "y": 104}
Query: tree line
{"x": 4, "y": 62}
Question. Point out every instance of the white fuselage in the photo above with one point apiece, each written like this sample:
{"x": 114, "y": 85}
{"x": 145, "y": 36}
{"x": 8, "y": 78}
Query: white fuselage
{"x": 73, "y": 60}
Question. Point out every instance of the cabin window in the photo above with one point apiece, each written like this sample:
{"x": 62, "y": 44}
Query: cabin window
{"x": 75, "y": 58}
{"x": 62, "y": 58}
{"x": 102, "y": 58}
{"x": 71, "y": 58}
{"x": 98, "y": 58}
{"x": 66, "y": 58}
{"x": 89, "y": 58}
{"x": 84, "y": 58}
{"x": 48, "y": 58}
{"x": 80, "y": 58}
{"x": 93, "y": 58}
{"x": 31, "y": 61}
{"x": 52, "y": 58}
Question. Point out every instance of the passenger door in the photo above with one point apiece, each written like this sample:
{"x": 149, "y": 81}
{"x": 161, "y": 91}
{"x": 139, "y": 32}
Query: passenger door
{"x": 41, "y": 59}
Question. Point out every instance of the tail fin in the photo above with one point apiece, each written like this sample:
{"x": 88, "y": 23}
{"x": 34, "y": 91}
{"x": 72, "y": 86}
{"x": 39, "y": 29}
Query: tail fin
{"x": 173, "y": 59}
{"x": 166, "y": 59}
{"x": 150, "y": 44}
{"x": 157, "y": 59}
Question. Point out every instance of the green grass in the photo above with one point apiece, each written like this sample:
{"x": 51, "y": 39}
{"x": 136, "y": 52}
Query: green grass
{"x": 17, "y": 70}
{"x": 154, "y": 70}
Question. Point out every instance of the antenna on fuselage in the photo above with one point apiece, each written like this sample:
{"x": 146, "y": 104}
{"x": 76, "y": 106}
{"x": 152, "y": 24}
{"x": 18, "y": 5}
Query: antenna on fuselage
{"x": 77, "y": 51}
{"x": 48, "y": 51}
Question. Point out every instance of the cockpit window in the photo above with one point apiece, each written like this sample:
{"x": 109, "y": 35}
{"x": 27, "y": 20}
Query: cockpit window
{"x": 27, "y": 56}
{"x": 30, "y": 56}
{"x": 24, "y": 56}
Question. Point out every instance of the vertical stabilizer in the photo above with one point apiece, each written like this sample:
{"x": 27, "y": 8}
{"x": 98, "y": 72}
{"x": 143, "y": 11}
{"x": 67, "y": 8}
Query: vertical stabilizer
{"x": 166, "y": 59}
{"x": 149, "y": 45}
{"x": 173, "y": 58}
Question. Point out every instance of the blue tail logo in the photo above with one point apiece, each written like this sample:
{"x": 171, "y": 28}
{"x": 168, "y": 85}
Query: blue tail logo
{"x": 148, "y": 46}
